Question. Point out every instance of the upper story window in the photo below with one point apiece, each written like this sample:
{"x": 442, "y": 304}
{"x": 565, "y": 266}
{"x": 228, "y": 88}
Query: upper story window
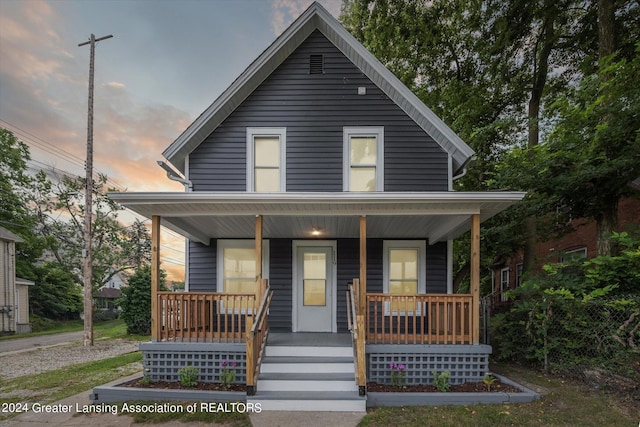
{"x": 266, "y": 164}
{"x": 363, "y": 159}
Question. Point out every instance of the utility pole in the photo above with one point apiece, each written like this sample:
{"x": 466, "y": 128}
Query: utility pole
{"x": 87, "y": 266}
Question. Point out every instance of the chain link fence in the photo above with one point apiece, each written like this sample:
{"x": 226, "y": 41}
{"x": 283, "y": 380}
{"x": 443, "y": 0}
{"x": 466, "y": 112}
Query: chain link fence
{"x": 594, "y": 340}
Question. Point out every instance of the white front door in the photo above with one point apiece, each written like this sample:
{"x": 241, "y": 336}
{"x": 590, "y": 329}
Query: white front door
{"x": 314, "y": 287}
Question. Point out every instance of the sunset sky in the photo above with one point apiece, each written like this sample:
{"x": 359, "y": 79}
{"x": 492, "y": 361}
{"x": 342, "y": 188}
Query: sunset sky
{"x": 167, "y": 62}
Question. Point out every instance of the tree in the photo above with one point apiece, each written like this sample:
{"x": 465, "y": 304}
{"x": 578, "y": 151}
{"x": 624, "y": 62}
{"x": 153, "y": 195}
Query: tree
{"x": 116, "y": 248}
{"x": 135, "y": 301}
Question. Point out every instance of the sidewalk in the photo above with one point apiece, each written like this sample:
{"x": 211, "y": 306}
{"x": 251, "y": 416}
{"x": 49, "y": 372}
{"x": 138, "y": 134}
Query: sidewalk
{"x": 70, "y": 417}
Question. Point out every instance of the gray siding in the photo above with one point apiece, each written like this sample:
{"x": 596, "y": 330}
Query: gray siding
{"x": 202, "y": 267}
{"x": 314, "y": 108}
{"x": 437, "y": 268}
{"x": 280, "y": 282}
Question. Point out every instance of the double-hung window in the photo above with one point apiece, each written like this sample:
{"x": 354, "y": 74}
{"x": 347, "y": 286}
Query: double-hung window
{"x": 404, "y": 272}
{"x": 236, "y": 266}
{"x": 363, "y": 158}
{"x": 266, "y": 165}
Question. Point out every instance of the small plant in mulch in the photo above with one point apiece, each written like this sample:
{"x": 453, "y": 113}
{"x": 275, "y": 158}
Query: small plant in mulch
{"x": 488, "y": 380}
{"x": 188, "y": 376}
{"x": 398, "y": 374}
{"x": 228, "y": 374}
{"x": 441, "y": 380}
{"x": 468, "y": 387}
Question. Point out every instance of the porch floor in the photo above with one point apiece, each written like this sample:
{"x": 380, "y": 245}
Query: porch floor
{"x": 310, "y": 339}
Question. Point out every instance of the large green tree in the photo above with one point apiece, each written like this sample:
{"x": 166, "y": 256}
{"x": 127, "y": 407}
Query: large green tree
{"x": 116, "y": 248}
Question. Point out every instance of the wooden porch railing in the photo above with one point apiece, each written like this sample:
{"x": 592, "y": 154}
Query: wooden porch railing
{"x": 257, "y": 332}
{"x": 206, "y": 316}
{"x": 356, "y": 324}
{"x": 419, "y": 319}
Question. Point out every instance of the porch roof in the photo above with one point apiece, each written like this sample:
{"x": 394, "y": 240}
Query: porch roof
{"x": 201, "y": 216}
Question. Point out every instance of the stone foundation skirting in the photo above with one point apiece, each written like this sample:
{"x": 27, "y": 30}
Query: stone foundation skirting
{"x": 464, "y": 362}
{"x": 162, "y": 360}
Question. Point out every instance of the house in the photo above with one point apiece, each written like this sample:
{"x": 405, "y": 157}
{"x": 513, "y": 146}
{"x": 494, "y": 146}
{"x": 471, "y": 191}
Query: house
{"x": 581, "y": 242}
{"x": 14, "y": 291}
{"x": 105, "y": 299}
{"x": 319, "y": 213}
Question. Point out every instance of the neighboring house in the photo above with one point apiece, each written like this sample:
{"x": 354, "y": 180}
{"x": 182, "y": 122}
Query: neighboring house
{"x": 316, "y": 169}
{"x": 580, "y": 242}
{"x": 14, "y": 291}
{"x": 105, "y": 298}
{"x": 116, "y": 281}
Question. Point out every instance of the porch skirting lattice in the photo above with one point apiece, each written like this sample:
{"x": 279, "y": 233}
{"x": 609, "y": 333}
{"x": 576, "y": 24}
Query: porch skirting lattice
{"x": 163, "y": 360}
{"x": 464, "y": 362}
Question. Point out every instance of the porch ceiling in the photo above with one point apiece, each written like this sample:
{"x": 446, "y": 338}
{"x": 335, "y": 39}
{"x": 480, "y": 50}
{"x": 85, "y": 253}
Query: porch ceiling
{"x": 202, "y": 216}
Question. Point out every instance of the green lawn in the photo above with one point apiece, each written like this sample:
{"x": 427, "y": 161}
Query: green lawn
{"x": 51, "y": 386}
{"x": 564, "y": 404}
{"x": 101, "y": 330}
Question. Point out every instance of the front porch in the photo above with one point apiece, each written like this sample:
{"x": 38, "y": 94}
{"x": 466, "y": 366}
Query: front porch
{"x": 384, "y": 322}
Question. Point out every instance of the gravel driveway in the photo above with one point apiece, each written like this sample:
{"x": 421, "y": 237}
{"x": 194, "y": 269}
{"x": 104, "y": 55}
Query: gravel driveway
{"x": 51, "y": 358}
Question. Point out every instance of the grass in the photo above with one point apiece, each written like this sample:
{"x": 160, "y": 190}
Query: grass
{"x": 51, "y": 386}
{"x": 565, "y": 404}
{"x": 109, "y": 329}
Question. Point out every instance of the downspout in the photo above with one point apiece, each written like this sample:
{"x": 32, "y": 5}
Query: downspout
{"x": 464, "y": 168}
{"x": 173, "y": 176}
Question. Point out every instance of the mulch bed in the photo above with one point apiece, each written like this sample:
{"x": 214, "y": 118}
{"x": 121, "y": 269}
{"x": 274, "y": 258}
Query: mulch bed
{"x": 469, "y": 387}
{"x": 138, "y": 383}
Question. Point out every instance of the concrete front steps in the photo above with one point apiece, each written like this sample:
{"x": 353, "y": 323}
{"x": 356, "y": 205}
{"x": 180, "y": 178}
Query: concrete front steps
{"x": 308, "y": 378}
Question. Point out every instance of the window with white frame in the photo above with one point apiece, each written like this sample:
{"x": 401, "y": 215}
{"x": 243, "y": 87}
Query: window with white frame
{"x": 574, "y": 254}
{"x": 266, "y": 164}
{"x": 404, "y": 271}
{"x": 363, "y": 156}
{"x": 519, "y": 270}
{"x": 504, "y": 283}
{"x": 236, "y": 266}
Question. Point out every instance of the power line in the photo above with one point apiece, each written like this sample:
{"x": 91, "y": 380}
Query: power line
{"x": 34, "y": 140}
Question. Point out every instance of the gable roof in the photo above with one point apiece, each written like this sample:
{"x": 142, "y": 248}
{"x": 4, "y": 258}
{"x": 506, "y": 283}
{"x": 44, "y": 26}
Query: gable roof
{"x": 314, "y": 18}
{"x": 9, "y": 236}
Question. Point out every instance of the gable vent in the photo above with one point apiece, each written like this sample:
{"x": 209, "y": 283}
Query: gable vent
{"x": 316, "y": 64}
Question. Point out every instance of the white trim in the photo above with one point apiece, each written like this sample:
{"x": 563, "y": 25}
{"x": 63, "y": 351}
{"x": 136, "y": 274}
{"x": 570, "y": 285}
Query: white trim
{"x": 502, "y": 289}
{"x": 421, "y": 246}
{"x": 252, "y": 132}
{"x": 186, "y": 175}
{"x": 450, "y": 172}
{"x": 449, "y": 266}
{"x": 347, "y": 133}
{"x": 186, "y": 265}
{"x": 238, "y": 243}
{"x": 294, "y": 274}
{"x": 566, "y": 254}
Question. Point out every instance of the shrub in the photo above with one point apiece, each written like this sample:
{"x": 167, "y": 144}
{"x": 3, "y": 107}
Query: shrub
{"x": 188, "y": 376}
{"x": 441, "y": 380}
{"x": 573, "y": 318}
{"x": 135, "y": 301}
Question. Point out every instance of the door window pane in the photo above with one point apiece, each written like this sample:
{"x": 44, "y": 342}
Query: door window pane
{"x": 314, "y": 277}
